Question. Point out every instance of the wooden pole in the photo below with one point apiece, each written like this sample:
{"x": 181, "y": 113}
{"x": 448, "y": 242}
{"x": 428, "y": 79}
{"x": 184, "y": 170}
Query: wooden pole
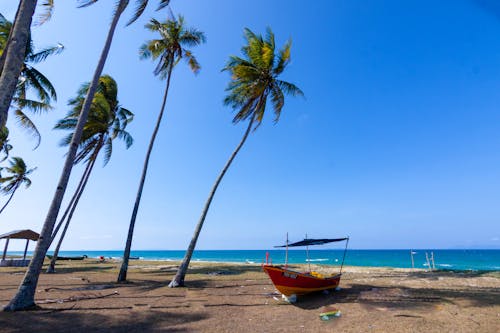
{"x": 428, "y": 261}
{"x": 412, "y": 261}
{"x": 432, "y": 259}
{"x": 286, "y": 253}
{"x": 26, "y": 249}
{"x": 5, "y": 249}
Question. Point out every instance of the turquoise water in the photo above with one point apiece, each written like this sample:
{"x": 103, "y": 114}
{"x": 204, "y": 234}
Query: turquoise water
{"x": 444, "y": 259}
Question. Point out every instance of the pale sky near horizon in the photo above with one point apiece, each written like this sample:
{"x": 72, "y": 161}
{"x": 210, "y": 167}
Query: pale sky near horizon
{"x": 397, "y": 143}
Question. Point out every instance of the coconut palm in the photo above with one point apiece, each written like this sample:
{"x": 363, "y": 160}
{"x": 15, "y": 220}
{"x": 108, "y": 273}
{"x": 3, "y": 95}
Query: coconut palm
{"x": 24, "y": 297}
{"x": 254, "y": 80}
{"x": 18, "y": 176}
{"x": 107, "y": 121}
{"x": 12, "y": 58}
{"x": 30, "y": 79}
{"x": 169, "y": 49}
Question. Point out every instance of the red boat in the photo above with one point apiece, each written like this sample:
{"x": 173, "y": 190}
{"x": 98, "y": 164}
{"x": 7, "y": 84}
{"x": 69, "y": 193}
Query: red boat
{"x": 290, "y": 282}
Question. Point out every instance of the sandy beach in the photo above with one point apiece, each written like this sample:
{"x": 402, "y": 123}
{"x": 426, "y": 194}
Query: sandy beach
{"x": 83, "y": 296}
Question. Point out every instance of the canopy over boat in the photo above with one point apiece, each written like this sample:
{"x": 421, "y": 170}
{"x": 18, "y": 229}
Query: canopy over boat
{"x": 310, "y": 241}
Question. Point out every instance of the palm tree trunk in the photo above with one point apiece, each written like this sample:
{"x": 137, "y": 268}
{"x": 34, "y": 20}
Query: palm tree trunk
{"x": 86, "y": 176}
{"x": 24, "y": 297}
{"x": 2, "y": 57}
{"x": 14, "y": 56}
{"x": 178, "y": 280}
{"x": 72, "y": 201}
{"x": 10, "y": 198}
{"x": 122, "y": 275}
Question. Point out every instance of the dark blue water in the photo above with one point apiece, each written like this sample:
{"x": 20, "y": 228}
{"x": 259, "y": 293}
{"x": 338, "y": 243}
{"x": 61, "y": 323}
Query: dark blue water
{"x": 444, "y": 259}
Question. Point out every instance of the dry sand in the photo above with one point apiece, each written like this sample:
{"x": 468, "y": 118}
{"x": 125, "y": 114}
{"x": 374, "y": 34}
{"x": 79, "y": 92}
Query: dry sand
{"x": 83, "y": 296}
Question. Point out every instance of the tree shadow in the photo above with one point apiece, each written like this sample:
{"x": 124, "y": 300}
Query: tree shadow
{"x": 76, "y": 269}
{"x": 400, "y": 297}
{"x": 78, "y": 320}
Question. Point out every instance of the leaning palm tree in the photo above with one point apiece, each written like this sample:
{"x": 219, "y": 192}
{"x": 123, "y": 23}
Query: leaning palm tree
{"x": 170, "y": 48}
{"x": 13, "y": 56}
{"x": 107, "y": 121}
{"x": 18, "y": 176}
{"x": 254, "y": 80}
{"x": 11, "y": 60}
{"x": 24, "y": 297}
{"x": 30, "y": 79}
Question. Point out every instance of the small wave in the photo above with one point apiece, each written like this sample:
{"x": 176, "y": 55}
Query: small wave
{"x": 249, "y": 261}
{"x": 444, "y": 265}
{"x": 317, "y": 259}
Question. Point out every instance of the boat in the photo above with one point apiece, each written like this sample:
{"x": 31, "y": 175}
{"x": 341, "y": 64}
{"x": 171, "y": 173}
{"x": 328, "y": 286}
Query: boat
{"x": 67, "y": 258}
{"x": 290, "y": 282}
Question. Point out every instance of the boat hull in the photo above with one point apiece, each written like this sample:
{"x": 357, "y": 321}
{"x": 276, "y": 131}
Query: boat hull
{"x": 67, "y": 258}
{"x": 290, "y": 282}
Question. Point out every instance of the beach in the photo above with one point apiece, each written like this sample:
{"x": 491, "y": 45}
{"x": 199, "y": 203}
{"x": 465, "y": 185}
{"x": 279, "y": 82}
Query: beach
{"x": 218, "y": 297}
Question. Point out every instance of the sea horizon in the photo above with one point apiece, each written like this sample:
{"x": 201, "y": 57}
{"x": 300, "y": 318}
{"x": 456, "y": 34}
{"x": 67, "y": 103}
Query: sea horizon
{"x": 445, "y": 259}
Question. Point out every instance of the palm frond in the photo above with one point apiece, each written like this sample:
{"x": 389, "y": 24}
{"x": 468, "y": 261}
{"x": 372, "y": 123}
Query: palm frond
{"x": 86, "y": 3}
{"x": 43, "y": 54}
{"x": 139, "y": 9}
{"x": 28, "y": 126}
{"x": 48, "y": 7}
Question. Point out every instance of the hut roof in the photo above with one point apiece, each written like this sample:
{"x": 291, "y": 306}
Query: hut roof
{"x": 21, "y": 234}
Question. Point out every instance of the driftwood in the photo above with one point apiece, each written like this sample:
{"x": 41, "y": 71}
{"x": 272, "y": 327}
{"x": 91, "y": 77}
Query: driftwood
{"x": 76, "y": 298}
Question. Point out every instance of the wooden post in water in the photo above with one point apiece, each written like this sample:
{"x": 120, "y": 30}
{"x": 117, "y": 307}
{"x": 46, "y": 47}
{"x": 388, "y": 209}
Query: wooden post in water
{"x": 428, "y": 261}
{"x": 412, "y": 261}
{"x": 432, "y": 260}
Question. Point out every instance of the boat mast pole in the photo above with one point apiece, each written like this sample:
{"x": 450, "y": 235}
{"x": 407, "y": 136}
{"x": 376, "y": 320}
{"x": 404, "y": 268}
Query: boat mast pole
{"x": 343, "y": 258}
{"x": 307, "y": 254}
{"x": 286, "y": 252}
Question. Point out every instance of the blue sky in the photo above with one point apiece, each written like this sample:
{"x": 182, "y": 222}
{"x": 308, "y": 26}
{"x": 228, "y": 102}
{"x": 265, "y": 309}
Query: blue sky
{"x": 397, "y": 143}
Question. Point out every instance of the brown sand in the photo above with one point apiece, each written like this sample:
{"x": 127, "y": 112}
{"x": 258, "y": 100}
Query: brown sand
{"x": 83, "y": 296}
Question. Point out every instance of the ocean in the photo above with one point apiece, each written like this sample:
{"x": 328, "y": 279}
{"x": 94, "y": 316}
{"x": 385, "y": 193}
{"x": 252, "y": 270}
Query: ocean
{"x": 478, "y": 260}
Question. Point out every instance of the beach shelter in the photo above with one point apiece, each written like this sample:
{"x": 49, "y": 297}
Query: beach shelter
{"x": 17, "y": 234}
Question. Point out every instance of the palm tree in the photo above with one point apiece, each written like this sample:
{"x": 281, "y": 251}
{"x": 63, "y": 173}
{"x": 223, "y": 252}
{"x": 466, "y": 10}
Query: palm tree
{"x": 11, "y": 60}
{"x": 170, "y": 48}
{"x": 30, "y": 78}
{"x": 13, "y": 56}
{"x": 24, "y": 297}
{"x": 107, "y": 121}
{"x": 254, "y": 80}
{"x": 19, "y": 176}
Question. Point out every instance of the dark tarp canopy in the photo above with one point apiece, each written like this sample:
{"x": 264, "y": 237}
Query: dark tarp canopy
{"x": 21, "y": 234}
{"x": 310, "y": 241}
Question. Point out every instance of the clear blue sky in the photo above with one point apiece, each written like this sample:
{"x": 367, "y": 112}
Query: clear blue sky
{"x": 397, "y": 143}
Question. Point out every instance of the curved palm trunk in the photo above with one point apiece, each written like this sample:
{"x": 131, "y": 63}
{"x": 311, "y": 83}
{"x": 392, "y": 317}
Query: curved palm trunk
{"x": 70, "y": 205}
{"x": 178, "y": 280}
{"x": 122, "y": 275}
{"x": 14, "y": 56}
{"x": 85, "y": 178}
{"x": 24, "y": 298}
{"x": 10, "y": 198}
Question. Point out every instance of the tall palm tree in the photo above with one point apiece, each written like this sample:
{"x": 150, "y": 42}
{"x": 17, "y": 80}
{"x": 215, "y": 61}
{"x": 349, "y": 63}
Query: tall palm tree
{"x": 254, "y": 80}
{"x": 24, "y": 297}
{"x": 30, "y": 78}
{"x": 13, "y": 56}
{"x": 19, "y": 176}
{"x": 107, "y": 121}
{"x": 170, "y": 48}
{"x": 12, "y": 59}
